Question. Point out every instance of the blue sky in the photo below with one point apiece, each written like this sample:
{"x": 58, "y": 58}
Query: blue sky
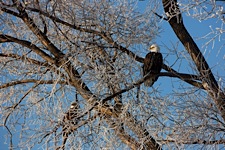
{"x": 3, "y": 142}
{"x": 197, "y": 29}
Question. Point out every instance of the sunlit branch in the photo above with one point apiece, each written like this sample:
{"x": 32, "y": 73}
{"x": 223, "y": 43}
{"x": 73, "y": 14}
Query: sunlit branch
{"x": 24, "y": 58}
{"x": 14, "y": 83}
{"x": 182, "y": 76}
{"x": 6, "y": 38}
{"x": 46, "y": 96}
{"x": 127, "y": 139}
{"x": 36, "y": 62}
{"x": 125, "y": 50}
{"x": 118, "y": 127}
{"x": 42, "y": 37}
{"x": 149, "y": 142}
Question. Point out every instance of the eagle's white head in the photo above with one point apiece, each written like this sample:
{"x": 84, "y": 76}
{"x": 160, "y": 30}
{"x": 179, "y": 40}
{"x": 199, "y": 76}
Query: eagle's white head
{"x": 73, "y": 105}
{"x": 154, "y": 48}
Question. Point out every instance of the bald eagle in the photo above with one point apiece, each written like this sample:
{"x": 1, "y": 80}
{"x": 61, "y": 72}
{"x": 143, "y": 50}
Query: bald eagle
{"x": 69, "y": 121}
{"x": 152, "y": 64}
{"x": 72, "y": 113}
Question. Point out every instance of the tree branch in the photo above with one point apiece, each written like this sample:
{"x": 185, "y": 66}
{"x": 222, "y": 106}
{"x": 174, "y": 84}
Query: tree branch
{"x": 6, "y": 38}
{"x": 198, "y": 141}
{"x": 10, "y": 12}
{"x": 185, "y": 77}
{"x": 161, "y": 17}
{"x": 144, "y": 136}
{"x": 12, "y": 108}
{"x": 24, "y": 58}
{"x": 118, "y": 127}
{"x": 6, "y": 85}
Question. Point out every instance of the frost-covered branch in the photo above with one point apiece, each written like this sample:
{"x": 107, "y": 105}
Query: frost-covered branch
{"x": 14, "y": 83}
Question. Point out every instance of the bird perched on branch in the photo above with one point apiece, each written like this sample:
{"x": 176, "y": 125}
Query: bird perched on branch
{"x": 69, "y": 121}
{"x": 152, "y": 65}
{"x": 71, "y": 113}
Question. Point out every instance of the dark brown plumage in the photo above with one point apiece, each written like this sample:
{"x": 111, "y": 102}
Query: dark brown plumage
{"x": 152, "y": 64}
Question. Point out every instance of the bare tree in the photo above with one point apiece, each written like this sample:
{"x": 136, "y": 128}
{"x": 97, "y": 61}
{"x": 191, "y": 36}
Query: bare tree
{"x": 71, "y": 78}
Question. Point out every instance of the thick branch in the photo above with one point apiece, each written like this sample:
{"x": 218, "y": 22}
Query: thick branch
{"x": 190, "y": 79}
{"x": 127, "y": 139}
{"x": 10, "y": 12}
{"x": 118, "y": 127}
{"x": 6, "y": 38}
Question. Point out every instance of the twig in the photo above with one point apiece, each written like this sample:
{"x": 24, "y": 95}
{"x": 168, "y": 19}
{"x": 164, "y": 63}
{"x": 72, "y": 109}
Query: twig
{"x": 161, "y": 17}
